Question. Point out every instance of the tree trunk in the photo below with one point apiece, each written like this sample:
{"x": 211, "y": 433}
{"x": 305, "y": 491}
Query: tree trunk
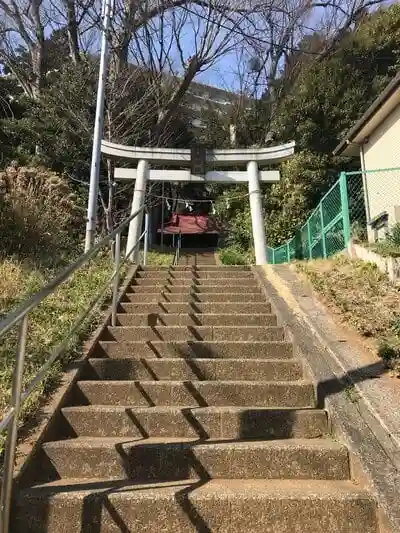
{"x": 72, "y": 30}
{"x": 37, "y": 69}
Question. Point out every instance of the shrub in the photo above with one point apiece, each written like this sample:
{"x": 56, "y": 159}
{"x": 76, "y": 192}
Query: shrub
{"x": 394, "y": 237}
{"x": 233, "y": 255}
{"x": 40, "y": 217}
{"x": 390, "y": 246}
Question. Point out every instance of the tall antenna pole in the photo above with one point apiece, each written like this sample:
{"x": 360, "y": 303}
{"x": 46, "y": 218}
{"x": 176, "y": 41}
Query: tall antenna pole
{"x": 107, "y": 8}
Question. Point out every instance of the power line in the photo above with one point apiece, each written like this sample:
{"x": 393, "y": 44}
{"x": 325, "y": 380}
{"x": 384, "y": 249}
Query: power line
{"x": 251, "y": 37}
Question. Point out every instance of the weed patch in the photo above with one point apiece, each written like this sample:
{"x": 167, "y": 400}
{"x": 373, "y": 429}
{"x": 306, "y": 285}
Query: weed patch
{"x": 235, "y": 255}
{"x": 159, "y": 258}
{"x": 364, "y": 297}
{"x": 48, "y": 324}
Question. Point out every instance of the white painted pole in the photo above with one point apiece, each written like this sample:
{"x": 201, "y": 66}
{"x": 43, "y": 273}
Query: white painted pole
{"x": 257, "y": 219}
{"x": 98, "y": 129}
{"x": 135, "y": 225}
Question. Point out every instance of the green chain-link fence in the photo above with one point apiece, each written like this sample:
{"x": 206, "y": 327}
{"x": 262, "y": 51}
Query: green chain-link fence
{"x": 381, "y": 198}
{"x": 327, "y": 231}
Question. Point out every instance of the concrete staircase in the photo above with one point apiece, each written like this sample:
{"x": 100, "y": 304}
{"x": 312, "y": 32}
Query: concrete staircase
{"x": 194, "y": 416}
{"x": 196, "y": 256}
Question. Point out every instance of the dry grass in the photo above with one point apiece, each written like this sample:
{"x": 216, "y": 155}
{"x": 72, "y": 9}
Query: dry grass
{"x": 365, "y": 299}
{"x": 40, "y": 215}
{"x": 159, "y": 258}
{"x": 48, "y": 323}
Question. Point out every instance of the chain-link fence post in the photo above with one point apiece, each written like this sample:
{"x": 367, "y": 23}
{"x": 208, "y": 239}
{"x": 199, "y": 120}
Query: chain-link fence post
{"x": 345, "y": 207}
{"x": 309, "y": 239}
{"x": 298, "y": 246}
{"x": 323, "y": 240}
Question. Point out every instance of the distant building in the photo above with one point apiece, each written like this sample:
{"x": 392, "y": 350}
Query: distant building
{"x": 201, "y": 97}
{"x": 375, "y": 139}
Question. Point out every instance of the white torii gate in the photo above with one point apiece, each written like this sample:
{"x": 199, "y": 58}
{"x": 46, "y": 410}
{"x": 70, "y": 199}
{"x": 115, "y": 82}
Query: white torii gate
{"x": 249, "y": 157}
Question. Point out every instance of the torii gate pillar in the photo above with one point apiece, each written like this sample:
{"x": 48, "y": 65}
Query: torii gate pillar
{"x": 257, "y": 219}
{"x": 135, "y": 225}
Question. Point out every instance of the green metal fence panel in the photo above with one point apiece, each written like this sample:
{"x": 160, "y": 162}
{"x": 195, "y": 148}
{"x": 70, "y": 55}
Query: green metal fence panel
{"x": 315, "y": 224}
{"x": 281, "y": 255}
{"x": 345, "y": 206}
{"x": 335, "y": 238}
{"x": 358, "y": 210}
{"x": 331, "y": 204}
{"x": 343, "y": 213}
{"x": 270, "y": 255}
{"x": 324, "y": 232}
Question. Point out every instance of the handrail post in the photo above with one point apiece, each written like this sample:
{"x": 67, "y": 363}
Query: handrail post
{"x": 146, "y": 238}
{"x": 116, "y": 279}
{"x": 321, "y": 214}
{"x": 345, "y": 207}
{"x": 11, "y": 444}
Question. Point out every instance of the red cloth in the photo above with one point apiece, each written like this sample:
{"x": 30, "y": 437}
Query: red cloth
{"x": 174, "y": 220}
{"x": 190, "y": 224}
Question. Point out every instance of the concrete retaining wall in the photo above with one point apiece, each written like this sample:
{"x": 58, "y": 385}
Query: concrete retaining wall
{"x": 386, "y": 265}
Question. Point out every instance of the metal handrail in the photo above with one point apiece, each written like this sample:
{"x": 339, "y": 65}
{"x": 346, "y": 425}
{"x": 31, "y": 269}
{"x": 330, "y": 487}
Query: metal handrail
{"x": 177, "y": 250}
{"x": 20, "y": 315}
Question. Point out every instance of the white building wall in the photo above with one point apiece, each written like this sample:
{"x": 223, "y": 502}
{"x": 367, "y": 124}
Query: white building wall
{"x": 382, "y": 151}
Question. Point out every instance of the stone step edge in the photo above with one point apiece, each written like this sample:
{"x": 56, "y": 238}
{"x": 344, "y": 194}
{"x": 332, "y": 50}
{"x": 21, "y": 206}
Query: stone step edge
{"x": 201, "y": 343}
{"x": 269, "y": 315}
{"x": 325, "y": 444}
{"x": 195, "y": 326}
{"x": 198, "y": 383}
{"x": 201, "y": 293}
{"x": 276, "y": 489}
{"x": 293, "y": 361}
{"x": 178, "y": 408}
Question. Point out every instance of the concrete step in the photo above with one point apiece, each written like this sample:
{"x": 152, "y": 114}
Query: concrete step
{"x": 195, "y": 349}
{"x": 215, "y": 506}
{"x": 194, "y": 369}
{"x": 197, "y": 268}
{"x": 196, "y": 259}
{"x": 194, "y": 319}
{"x": 196, "y": 282}
{"x": 197, "y": 289}
{"x": 185, "y": 297}
{"x": 293, "y": 394}
{"x": 200, "y": 333}
{"x": 214, "y": 307}
{"x": 163, "y": 459}
{"x": 192, "y": 274}
{"x": 201, "y": 422}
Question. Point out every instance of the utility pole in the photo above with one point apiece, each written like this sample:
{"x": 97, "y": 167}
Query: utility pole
{"x": 107, "y": 10}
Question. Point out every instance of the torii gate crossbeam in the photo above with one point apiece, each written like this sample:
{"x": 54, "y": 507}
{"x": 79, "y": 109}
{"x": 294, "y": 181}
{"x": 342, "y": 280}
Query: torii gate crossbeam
{"x": 251, "y": 158}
